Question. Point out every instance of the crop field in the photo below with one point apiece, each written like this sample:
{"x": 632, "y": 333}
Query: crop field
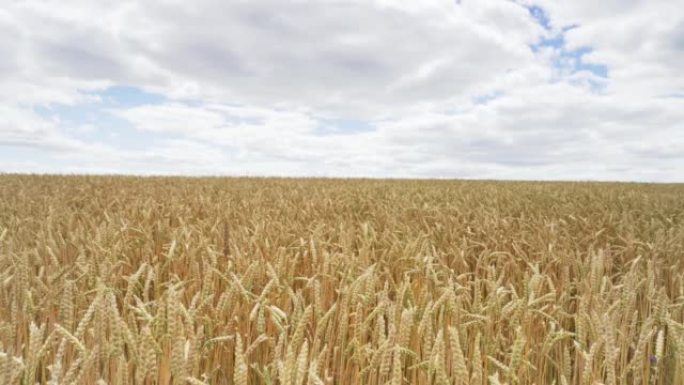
{"x": 245, "y": 281}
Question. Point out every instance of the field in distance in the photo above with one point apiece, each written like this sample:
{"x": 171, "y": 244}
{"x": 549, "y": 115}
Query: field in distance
{"x": 126, "y": 280}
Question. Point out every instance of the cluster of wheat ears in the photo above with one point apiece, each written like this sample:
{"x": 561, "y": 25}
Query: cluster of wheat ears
{"x": 118, "y": 280}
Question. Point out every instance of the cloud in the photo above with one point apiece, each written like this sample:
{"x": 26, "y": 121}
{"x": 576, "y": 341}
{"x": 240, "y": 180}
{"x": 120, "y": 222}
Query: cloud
{"x": 640, "y": 41}
{"x": 479, "y": 89}
{"x": 24, "y": 128}
{"x": 353, "y": 56}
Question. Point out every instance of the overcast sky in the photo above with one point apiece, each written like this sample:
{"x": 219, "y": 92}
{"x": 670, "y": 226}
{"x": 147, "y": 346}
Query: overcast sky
{"x": 578, "y": 89}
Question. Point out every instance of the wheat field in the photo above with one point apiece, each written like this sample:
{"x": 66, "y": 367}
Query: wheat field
{"x": 129, "y": 280}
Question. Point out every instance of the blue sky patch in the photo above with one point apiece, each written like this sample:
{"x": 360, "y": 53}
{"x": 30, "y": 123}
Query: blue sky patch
{"x": 540, "y": 15}
{"x": 32, "y": 155}
{"x": 95, "y": 121}
{"x": 90, "y": 112}
{"x": 488, "y": 97}
{"x": 600, "y": 70}
{"x": 127, "y": 96}
{"x": 565, "y": 59}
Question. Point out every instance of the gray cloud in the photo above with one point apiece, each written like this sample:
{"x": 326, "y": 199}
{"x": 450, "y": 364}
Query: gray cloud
{"x": 442, "y": 89}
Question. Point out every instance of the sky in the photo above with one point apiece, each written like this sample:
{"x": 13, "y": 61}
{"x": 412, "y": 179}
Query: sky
{"x": 476, "y": 89}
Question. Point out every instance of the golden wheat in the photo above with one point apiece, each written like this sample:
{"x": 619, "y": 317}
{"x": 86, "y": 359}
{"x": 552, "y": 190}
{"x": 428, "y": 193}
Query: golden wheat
{"x": 123, "y": 280}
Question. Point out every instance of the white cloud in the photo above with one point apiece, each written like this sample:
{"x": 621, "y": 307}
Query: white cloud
{"x": 431, "y": 88}
{"x": 20, "y": 127}
{"x": 641, "y": 42}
